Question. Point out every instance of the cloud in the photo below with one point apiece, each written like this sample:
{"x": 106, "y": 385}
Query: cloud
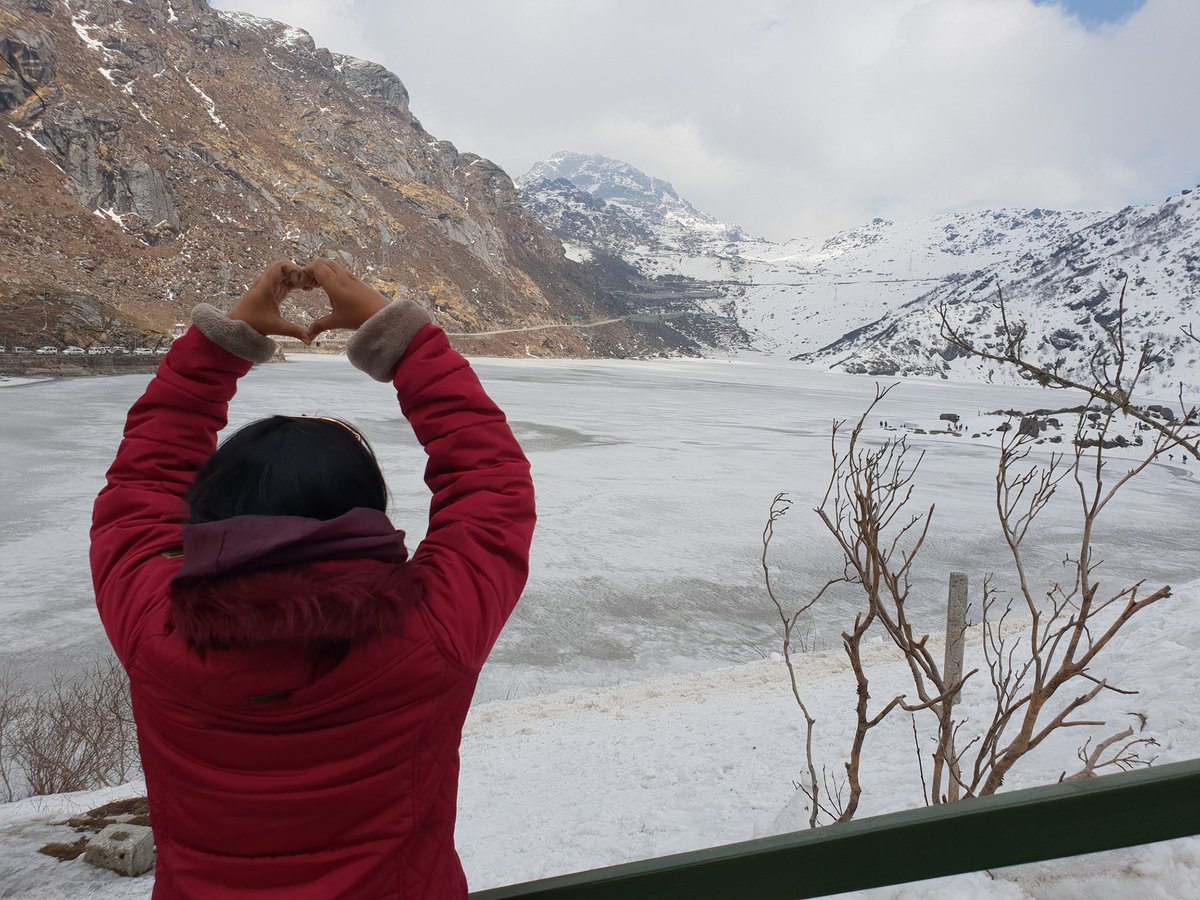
{"x": 802, "y": 118}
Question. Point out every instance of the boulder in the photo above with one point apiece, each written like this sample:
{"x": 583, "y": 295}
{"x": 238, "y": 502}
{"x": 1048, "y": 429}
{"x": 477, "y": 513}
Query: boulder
{"x": 124, "y": 849}
{"x": 373, "y": 80}
{"x": 1031, "y": 426}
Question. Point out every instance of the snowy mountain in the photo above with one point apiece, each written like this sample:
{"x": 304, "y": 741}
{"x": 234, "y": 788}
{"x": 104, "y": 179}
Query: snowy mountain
{"x": 798, "y": 296}
{"x": 1067, "y": 293}
{"x": 788, "y": 298}
{"x": 630, "y": 201}
{"x": 582, "y": 218}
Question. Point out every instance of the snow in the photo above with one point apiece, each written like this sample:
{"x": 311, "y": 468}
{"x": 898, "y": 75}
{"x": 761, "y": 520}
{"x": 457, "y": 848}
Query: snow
{"x": 208, "y": 103}
{"x": 576, "y": 252}
{"x": 634, "y": 771}
{"x": 627, "y": 711}
{"x": 84, "y": 32}
{"x": 28, "y": 135}
{"x": 294, "y": 37}
{"x": 246, "y": 20}
{"x": 110, "y": 213}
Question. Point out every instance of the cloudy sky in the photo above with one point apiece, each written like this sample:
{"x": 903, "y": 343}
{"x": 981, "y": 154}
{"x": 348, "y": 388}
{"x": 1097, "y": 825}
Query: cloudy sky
{"x": 799, "y": 118}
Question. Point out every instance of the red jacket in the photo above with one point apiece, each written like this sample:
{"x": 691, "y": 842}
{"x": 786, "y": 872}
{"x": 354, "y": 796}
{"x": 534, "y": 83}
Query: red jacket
{"x": 274, "y": 770}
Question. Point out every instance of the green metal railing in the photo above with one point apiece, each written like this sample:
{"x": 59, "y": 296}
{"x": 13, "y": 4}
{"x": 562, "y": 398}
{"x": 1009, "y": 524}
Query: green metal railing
{"x": 1141, "y": 807}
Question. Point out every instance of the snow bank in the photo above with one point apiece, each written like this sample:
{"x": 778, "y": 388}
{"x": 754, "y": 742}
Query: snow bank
{"x": 645, "y": 769}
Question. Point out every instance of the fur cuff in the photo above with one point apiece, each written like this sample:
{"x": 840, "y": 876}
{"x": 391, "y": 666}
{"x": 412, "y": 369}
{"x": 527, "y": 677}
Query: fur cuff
{"x": 379, "y": 344}
{"x": 233, "y": 335}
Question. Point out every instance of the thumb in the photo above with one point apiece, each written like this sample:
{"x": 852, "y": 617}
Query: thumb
{"x": 291, "y": 329}
{"x": 322, "y": 324}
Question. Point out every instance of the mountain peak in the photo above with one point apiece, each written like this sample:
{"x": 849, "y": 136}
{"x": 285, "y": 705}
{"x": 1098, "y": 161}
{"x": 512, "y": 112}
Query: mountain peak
{"x": 606, "y": 178}
{"x": 652, "y": 202}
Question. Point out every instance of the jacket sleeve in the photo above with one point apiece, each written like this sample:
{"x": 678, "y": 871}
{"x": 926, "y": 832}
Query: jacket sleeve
{"x": 169, "y": 433}
{"x": 474, "y": 560}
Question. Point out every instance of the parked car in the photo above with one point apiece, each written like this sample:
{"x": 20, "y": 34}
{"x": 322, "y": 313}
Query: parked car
{"x": 2, "y": 350}
{"x": 97, "y": 351}
{"x": 143, "y": 351}
{"x": 74, "y": 351}
{"x": 21, "y": 350}
{"x": 48, "y": 351}
{"x": 117, "y": 351}
{"x": 161, "y": 351}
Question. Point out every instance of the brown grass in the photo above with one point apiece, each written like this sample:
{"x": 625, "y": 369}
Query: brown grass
{"x": 65, "y": 852}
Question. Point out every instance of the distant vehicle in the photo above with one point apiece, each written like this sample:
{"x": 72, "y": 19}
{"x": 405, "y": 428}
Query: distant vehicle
{"x": 115, "y": 351}
{"x": 74, "y": 351}
{"x": 48, "y": 351}
{"x": 2, "y": 350}
{"x": 161, "y": 351}
{"x": 97, "y": 351}
{"x": 143, "y": 351}
{"x": 21, "y": 350}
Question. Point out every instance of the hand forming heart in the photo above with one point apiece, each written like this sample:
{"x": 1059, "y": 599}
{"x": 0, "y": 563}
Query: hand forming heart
{"x": 259, "y": 306}
{"x": 352, "y": 302}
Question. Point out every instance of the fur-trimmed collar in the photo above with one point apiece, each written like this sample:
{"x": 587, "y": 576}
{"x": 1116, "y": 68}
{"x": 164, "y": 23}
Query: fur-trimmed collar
{"x": 315, "y": 607}
{"x": 284, "y": 579}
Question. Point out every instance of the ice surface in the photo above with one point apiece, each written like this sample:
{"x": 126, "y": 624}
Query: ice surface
{"x": 653, "y": 478}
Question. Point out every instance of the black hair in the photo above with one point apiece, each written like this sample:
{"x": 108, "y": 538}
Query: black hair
{"x": 314, "y": 467}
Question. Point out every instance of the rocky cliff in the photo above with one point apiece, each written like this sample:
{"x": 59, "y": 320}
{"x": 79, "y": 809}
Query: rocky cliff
{"x": 157, "y": 154}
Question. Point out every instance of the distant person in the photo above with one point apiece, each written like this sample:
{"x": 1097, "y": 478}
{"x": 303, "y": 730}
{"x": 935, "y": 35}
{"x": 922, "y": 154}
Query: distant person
{"x": 299, "y": 684}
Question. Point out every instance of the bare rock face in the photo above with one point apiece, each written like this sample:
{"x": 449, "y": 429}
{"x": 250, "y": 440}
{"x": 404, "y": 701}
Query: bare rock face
{"x": 161, "y": 153}
{"x": 88, "y": 147}
{"x": 26, "y": 63}
{"x": 372, "y": 80}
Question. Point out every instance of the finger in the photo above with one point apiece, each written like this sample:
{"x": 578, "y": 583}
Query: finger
{"x": 306, "y": 281}
{"x": 290, "y": 274}
{"x": 335, "y": 280}
{"x": 321, "y": 270}
{"x": 275, "y": 271}
{"x": 283, "y": 275}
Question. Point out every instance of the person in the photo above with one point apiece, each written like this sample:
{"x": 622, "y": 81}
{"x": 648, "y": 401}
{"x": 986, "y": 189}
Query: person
{"x": 299, "y": 684}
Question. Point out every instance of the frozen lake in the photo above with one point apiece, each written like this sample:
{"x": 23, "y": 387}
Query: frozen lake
{"x": 654, "y": 479}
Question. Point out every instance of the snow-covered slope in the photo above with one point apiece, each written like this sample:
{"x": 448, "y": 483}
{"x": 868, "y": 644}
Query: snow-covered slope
{"x": 786, "y": 298}
{"x": 626, "y": 193}
{"x": 798, "y": 296}
{"x": 1067, "y": 292}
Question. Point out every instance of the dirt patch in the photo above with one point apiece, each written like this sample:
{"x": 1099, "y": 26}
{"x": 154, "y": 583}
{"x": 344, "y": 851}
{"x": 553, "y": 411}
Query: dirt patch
{"x": 65, "y": 852}
{"x": 131, "y": 811}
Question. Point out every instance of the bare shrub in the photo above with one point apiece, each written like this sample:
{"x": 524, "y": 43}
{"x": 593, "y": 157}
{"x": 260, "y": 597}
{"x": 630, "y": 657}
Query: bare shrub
{"x": 76, "y": 733}
{"x": 1041, "y": 671}
{"x": 12, "y": 705}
